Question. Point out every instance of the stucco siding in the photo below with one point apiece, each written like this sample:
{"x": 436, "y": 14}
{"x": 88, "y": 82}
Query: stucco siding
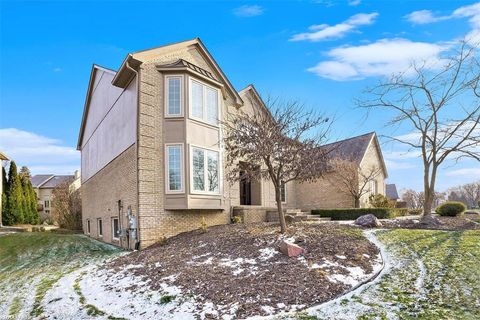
{"x": 111, "y": 124}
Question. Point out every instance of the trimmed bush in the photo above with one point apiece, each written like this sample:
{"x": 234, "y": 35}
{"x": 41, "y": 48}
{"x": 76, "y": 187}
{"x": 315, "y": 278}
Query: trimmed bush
{"x": 450, "y": 209}
{"x": 354, "y": 213}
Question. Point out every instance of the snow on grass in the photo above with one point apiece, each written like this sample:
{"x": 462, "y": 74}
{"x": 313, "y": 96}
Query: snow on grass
{"x": 267, "y": 253}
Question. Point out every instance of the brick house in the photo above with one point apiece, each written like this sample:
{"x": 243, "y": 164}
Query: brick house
{"x": 151, "y": 151}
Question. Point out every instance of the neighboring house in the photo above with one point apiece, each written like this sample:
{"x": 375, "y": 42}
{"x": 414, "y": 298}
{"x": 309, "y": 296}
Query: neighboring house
{"x": 391, "y": 192}
{"x": 151, "y": 151}
{"x": 43, "y": 184}
{"x": 3, "y": 160}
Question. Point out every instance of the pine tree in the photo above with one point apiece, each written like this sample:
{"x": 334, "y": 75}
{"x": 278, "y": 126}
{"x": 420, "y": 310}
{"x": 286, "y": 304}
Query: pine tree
{"x": 4, "y": 189}
{"x": 24, "y": 175}
{"x": 14, "y": 207}
{"x": 30, "y": 210}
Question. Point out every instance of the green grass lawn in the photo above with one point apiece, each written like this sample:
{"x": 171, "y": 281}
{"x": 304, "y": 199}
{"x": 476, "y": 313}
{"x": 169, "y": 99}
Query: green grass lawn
{"x": 433, "y": 275}
{"x": 31, "y": 263}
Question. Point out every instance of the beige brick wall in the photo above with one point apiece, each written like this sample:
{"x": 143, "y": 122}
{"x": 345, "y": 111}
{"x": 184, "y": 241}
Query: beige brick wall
{"x": 320, "y": 194}
{"x": 323, "y": 194}
{"x": 100, "y": 193}
{"x": 154, "y": 221}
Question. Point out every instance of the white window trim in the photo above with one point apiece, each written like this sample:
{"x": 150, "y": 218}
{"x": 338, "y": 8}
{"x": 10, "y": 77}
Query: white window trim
{"x": 114, "y": 236}
{"x": 182, "y": 170}
{"x": 190, "y": 103}
{"x": 98, "y": 229}
{"x": 205, "y": 171}
{"x": 182, "y": 85}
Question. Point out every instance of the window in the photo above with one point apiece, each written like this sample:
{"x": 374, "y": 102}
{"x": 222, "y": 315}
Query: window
{"x": 115, "y": 229}
{"x": 204, "y": 102}
{"x": 373, "y": 187}
{"x": 283, "y": 192}
{"x": 205, "y": 171}
{"x": 88, "y": 226}
{"x": 173, "y": 95}
{"x": 99, "y": 226}
{"x": 47, "y": 203}
{"x": 174, "y": 162}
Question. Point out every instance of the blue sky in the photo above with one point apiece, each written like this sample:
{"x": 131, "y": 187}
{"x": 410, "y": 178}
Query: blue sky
{"x": 321, "y": 52}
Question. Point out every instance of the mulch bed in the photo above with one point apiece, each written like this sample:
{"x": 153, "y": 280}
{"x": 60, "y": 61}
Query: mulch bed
{"x": 226, "y": 266}
{"x": 463, "y": 222}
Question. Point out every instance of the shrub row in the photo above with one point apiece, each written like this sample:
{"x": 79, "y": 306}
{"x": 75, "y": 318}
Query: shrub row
{"x": 354, "y": 213}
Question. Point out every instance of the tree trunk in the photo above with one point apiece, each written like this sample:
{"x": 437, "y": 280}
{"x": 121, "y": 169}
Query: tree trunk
{"x": 356, "y": 202}
{"x": 281, "y": 216}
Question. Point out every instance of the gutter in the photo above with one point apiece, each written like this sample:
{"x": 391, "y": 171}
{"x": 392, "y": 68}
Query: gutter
{"x": 137, "y": 244}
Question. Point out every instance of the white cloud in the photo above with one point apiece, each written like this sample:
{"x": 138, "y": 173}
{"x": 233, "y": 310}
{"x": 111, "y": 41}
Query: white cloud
{"x": 380, "y": 58}
{"x": 467, "y": 172}
{"x": 248, "y": 11}
{"x": 41, "y": 154}
{"x": 424, "y": 17}
{"x": 472, "y": 12}
{"x": 57, "y": 69}
{"x": 354, "y": 3}
{"x": 326, "y": 32}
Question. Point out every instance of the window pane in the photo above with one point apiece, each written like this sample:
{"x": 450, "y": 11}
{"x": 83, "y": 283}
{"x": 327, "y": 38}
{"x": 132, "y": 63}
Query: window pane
{"x": 197, "y": 100}
{"x": 212, "y": 106}
{"x": 198, "y": 170}
{"x": 174, "y": 168}
{"x": 174, "y": 96}
{"x": 212, "y": 171}
{"x": 100, "y": 231}
{"x": 115, "y": 228}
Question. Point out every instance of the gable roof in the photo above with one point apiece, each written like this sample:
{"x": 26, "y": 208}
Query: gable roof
{"x": 352, "y": 149}
{"x": 355, "y": 148}
{"x": 391, "y": 191}
{"x": 49, "y": 180}
{"x": 133, "y": 60}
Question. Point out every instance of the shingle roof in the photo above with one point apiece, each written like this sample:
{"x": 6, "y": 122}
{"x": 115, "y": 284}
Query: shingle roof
{"x": 39, "y": 179}
{"x": 391, "y": 191}
{"x": 352, "y": 149}
{"x": 181, "y": 63}
{"x": 49, "y": 180}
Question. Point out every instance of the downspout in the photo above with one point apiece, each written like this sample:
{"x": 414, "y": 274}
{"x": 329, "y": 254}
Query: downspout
{"x": 137, "y": 243}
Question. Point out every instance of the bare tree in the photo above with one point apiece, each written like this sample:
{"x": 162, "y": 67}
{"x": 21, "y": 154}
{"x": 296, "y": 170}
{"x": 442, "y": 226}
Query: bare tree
{"x": 350, "y": 179}
{"x": 468, "y": 193}
{"x": 440, "y": 104}
{"x": 416, "y": 200}
{"x": 280, "y": 145}
{"x": 413, "y": 199}
{"x": 67, "y": 206}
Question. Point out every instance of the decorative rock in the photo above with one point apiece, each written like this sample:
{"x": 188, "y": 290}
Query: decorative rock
{"x": 368, "y": 220}
{"x": 291, "y": 249}
{"x": 289, "y": 219}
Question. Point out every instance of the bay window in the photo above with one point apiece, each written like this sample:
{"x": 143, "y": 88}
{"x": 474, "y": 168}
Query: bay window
{"x": 203, "y": 102}
{"x": 173, "y": 94}
{"x": 174, "y": 161}
{"x": 205, "y": 171}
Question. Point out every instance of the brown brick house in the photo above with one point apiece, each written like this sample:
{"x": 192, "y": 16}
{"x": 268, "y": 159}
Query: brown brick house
{"x": 151, "y": 147}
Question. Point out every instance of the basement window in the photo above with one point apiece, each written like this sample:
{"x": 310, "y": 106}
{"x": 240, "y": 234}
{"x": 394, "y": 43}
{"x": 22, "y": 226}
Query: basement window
{"x": 115, "y": 229}
{"x": 99, "y": 227}
{"x": 88, "y": 226}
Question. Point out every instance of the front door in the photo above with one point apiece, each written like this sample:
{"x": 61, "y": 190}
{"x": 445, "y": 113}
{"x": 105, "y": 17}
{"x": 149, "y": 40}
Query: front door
{"x": 245, "y": 191}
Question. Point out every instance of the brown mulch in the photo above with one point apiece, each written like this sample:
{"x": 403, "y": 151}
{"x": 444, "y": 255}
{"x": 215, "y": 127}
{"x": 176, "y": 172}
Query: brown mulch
{"x": 202, "y": 265}
{"x": 460, "y": 223}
